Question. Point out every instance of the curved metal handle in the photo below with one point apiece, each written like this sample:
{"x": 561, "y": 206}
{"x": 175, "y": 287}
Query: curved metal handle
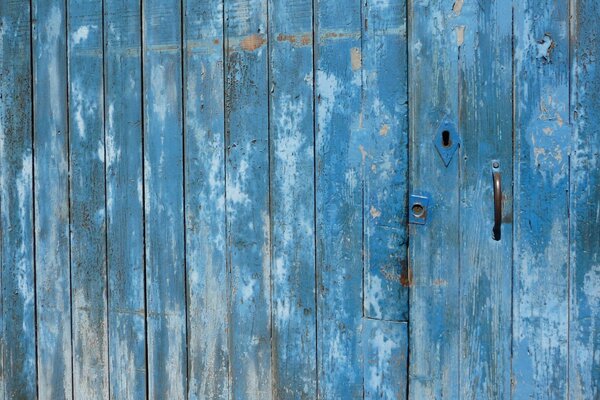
{"x": 497, "y": 179}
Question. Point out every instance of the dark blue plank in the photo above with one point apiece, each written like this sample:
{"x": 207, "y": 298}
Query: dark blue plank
{"x": 163, "y": 193}
{"x": 434, "y": 247}
{"x": 541, "y": 216}
{"x": 292, "y": 199}
{"x": 51, "y": 189}
{"x": 17, "y": 319}
{"x": 385, "y": 168}
{"x": 205, "y": 201}
{"x": 584, "y": 333}
{"x": 87, "y": 195}
{"x": 247, "y": 198}
{"x": 124, "y": 199}
{"x": 339, "y": 198}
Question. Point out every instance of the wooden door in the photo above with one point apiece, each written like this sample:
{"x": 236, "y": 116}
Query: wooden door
{"x": 294, "y": 199}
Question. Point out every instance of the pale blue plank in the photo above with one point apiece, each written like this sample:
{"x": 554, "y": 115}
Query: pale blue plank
{"x": 385, "y": 158}
{"x": 484, "y": 34}
{"x": 17, "y": 318}
{"x": 205, "y": 201}
{"x": 163, "y": 192}
{"x": 51, "y": 189}
{"x": 124, "y": 199}
{"x": 87, "y": 194}
{"x": 292, "y": 199}
{"x": 386, "y": 359}
{"x": 434, "y": 247}
{"x": 339, "y": 198}
{"x": 247, "y": 198}
{"x": 584, "y": 333}
{"x": 542, "y": 135}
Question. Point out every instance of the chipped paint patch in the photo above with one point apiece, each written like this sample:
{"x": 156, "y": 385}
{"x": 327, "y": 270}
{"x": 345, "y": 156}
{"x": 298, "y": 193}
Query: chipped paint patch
{"x": 383, "y": 131}
{"x": 375, "y": 213}
{"x": 252, "y": 42}
{"x": 460, "y": 35}
{"x": 457, "y": 7}
{"x": 81, "y": 34}
{"x": 355, "y": 58}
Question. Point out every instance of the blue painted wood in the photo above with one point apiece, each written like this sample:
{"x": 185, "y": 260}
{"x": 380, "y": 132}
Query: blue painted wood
{"x": 339, "y": 198}
{"x": 385, "y": 157}
{"x": 584, "y": 329}
{"x": 164, "y": 200}
{"x": 247, "y": 198}
{"x": 17, "y": 320}
{"x": 124, "y": 198}
{"x": 208, "y": 347}
{"x": 541, "y": 248}
{"x": 292, "y": 200}
{"x": 484, "y": 32}
{"x": 434, "y": 247}
{"x": 51, "y": 198}
{"x": 87, "y": 199}
{"x": 385, "y": 359}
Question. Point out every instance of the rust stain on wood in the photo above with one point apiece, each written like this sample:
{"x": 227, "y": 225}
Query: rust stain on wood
{"x": 252, "y": 42}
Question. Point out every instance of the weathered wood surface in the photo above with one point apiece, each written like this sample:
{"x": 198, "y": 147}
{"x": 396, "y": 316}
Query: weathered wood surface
{"x": 541, "y": 212}
{"x": 292, "y": 199}
{"x": 434, "y": 247}
{"x": 164, "y": 200}
{"x": 207, "y": 278}
{"x": 584, "y": 332}
{"x": 339, "y": 197}
{"x": 483, "y": 32}
{"x": 207, "y": 199}
{"x": 17, "y": 321}
{"x": 247, "y": 198}
{"x": 124, "y": 198}
{"x": 87, "y": 199}
{"x": 51, "y": 199}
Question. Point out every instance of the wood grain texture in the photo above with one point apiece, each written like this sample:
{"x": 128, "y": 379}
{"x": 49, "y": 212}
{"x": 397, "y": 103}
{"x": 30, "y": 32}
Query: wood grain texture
{"x": 87, "y": 199}
{"x": 339, "y": 198}
{"x": 51, "y": 197}
{"x": 541, "y": 249}
{"x": 164, "y": 200}
{"x": 584, "y": 332}
{"x": 124, "y": 198}
{"x": 208, "y": 347}
{"x": 386, "y": 359}
{"x": 385, "y": 151}
{"x": 17, "y": 318}
{"x": 434, "y": 247}
{"x": 247, "y": 198}
{"x": 484, "y": 32}
{"x": 292, "y": 200}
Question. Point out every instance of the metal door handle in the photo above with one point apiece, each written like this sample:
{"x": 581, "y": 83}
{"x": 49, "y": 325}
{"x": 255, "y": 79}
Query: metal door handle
{"x": 497, "y": 180}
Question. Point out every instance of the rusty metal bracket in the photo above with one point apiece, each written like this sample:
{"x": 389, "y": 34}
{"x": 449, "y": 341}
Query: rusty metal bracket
{"x": 417, "y": 209}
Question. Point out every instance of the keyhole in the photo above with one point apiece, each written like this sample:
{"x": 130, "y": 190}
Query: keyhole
{"x": 418, "y": 210}
{"x": 446, "y": 142}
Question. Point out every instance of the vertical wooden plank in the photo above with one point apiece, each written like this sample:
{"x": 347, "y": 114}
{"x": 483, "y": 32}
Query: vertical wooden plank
{"x": 247, "y": 197}
{"x": 339, "y": 198}
{"x": 542, "y": 134}
{"x": 87, "y": 199}
{"x": 386, "y": 359}
{"x": 163, "y": 191}
{"x": 17, "y": 366}
{"x": 205, "y": 201}
{"x": 51, "y": 192}
{"x": 124, "y": 198}
{"x": 483, "y": 37}
{"x": 292, "y": 199}
{"x": 434, "y": 247}
{"x": 584, "y": 335}
{"x": 385, "y": 152}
